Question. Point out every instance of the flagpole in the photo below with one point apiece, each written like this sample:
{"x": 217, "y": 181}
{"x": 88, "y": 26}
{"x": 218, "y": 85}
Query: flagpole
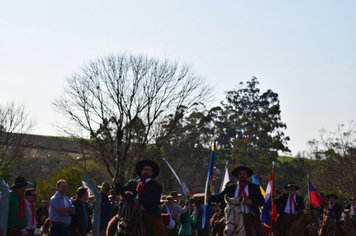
{"x": 309, "y": 190}
{"x": 272, "y": 198}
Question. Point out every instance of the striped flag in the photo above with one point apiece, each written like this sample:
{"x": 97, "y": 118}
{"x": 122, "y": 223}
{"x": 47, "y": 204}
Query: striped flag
{"x": 267, "y": 212}
{"x": 208, "y": 190}
{"x": 314, "y": 197}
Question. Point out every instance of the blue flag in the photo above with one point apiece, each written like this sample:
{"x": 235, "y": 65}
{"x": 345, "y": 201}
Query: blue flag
{"x": 208, "y": 191}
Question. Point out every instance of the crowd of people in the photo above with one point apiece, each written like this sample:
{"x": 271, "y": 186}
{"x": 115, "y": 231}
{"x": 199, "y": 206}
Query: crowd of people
{"x": 75, "y": 217}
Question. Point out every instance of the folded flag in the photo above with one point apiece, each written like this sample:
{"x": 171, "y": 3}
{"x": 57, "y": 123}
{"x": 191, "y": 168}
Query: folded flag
{"x": 208, "y": 191}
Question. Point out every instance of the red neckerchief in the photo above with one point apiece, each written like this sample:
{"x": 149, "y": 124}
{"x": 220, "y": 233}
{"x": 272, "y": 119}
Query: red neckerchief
{"x": 140, "y": 187}
{"x": 331, "y": 205}
{"x": 22, "y": 207}
{"x": 34, "y": 217}
{"x": 291, "y": 200}
{"x": 242, "y": 190}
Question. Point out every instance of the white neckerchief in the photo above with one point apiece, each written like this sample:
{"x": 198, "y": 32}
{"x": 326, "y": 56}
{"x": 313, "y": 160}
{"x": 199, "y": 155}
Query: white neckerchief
{"x": 244, "y": 208}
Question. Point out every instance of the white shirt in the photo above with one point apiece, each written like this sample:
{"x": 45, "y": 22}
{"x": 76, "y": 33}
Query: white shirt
{"x": 244, "y": 208}
{"x": 287, "y": 209}
{"x": 172, "y": 223}
{"x": 352, "y": 212}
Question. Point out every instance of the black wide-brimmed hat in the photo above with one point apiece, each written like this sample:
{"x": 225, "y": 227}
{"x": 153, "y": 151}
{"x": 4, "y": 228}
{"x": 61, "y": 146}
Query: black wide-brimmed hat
{"x": 238, "y": 169}
{"x": 292, "y": 184}
{"x": 150, "y": 163}
{"x": 332, "y": 195}
{"x": 19, "y": 182}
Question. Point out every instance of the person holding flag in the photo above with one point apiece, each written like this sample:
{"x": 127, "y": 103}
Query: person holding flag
{"x": 288, "y": 205}
{"x": 251, "y": 193}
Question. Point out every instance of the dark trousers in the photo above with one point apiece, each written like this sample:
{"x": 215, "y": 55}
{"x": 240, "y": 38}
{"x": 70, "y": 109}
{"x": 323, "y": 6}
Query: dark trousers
{"x": 13, "y": 232}
{"x": 30, "y": 232}
{"x": 59, "y": 230}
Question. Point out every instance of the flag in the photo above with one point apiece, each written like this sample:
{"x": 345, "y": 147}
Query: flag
{"x": 191, "y": 193}
{"x": 182, "y": 185}
{"x": 267, "y": 212}
{"x": 208, "y": 190}
{"x": 90, "y": 193}
{"x": 226, "y": 177}
{"x": 170, "y": 167}
{"x": 255, "y": 181}
{"x": 314, "y": 197}
{"x": 185, "y": 189}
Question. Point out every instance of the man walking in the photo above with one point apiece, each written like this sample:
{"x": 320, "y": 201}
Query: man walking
{"x": 31, "y": 197}
{"x": 80, "y": 224}
{"x": 17, "y": 218}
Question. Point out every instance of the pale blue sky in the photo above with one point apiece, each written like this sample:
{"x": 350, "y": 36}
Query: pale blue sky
{"x": 303, "y": 50}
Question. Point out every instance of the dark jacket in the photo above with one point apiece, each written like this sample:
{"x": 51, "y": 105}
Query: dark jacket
{"x": 77, "y": 219}
{"x": 254, "y": 194}
{"x": 337, "y": 210}
{"x": 150, "y": 196}
{"x": 281, "y": 203}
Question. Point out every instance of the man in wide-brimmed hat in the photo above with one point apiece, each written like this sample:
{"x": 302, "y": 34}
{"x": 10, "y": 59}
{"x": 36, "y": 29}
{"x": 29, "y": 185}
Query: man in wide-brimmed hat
{"x": 106, "y": 207}
{"x": 352, "y": 207}
{"x": 288, "y": 204}
{"x": 170, "y": 222}
{"x": 177, "y": 209}
{"x": 17, "y": 217}
{"x": 251, "y": 193}
{"x": 336, "y": 209}
{"x": 146, "y": 190}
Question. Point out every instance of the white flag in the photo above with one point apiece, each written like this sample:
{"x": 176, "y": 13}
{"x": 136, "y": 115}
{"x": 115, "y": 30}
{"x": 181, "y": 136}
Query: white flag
{"x": 90, "y": 193}
{"x": 226, "y": 178}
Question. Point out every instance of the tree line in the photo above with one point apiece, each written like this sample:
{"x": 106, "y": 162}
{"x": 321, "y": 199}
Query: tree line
{"x": 164, "y": 109}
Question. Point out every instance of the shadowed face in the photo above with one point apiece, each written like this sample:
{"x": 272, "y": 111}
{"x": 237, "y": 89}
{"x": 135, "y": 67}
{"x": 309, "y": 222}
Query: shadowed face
{"x": 33, "y": 197}
{"x": 146, "y": 172}
{"x": 332, "y": 199}
{"x": 292, "y": 190}
{"x": 242, "y": 175}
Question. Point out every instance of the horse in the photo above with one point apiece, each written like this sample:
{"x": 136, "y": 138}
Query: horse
{"x": 298, "y": 226}
{"x": 234, "y": 217}
{"x": 42, "y": 215}
{"x": 133, "y": 221}
{"x": 46, "y": 226}
{"x": 349, "y": 223}
{"x": 313, "y": 228}
{"x": 328, "y": 227}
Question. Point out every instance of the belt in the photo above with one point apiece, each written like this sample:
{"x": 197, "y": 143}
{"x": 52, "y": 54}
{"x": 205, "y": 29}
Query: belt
{"x": 60, "y": 223}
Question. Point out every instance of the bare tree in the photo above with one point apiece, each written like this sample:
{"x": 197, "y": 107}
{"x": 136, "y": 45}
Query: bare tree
{"x": 126, "y": 92}
{"x": 15, "y": 123}
{"x": 336, "y": 156}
